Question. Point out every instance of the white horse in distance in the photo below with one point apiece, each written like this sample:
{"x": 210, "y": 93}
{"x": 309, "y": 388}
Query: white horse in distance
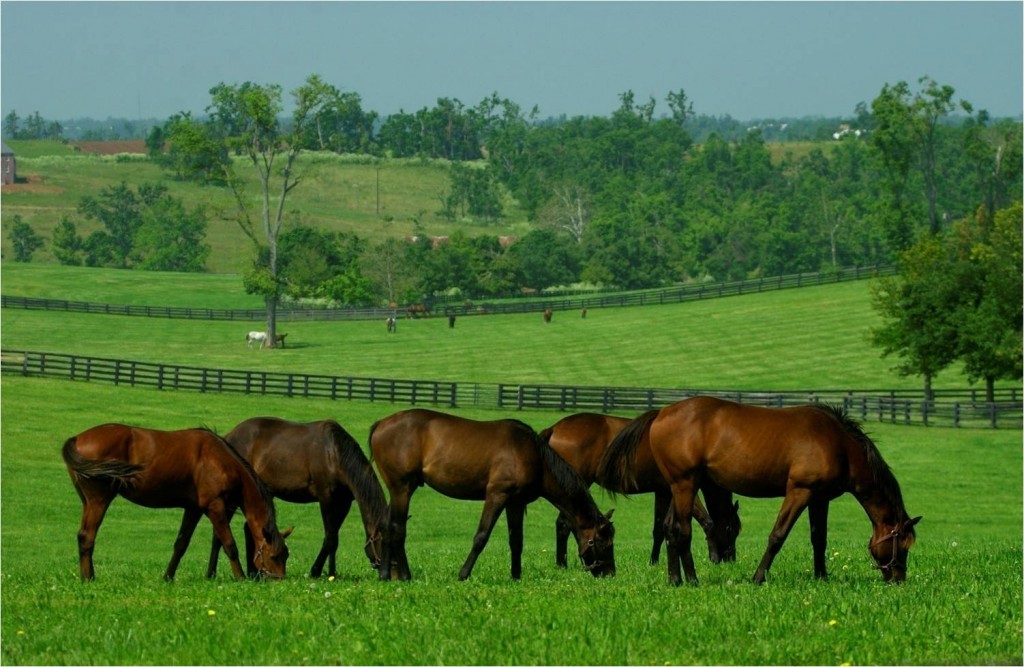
{"x": 256, "y": 336}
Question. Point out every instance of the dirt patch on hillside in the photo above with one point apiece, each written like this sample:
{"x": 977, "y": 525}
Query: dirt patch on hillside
{"x": 110, "y": 147}
{"x": 32, "y": 183}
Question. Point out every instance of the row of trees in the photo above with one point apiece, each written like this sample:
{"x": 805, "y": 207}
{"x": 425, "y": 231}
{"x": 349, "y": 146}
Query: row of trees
{"x": 34, "y": 126}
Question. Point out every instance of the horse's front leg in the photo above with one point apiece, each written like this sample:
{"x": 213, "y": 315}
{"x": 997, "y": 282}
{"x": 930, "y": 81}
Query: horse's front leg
{"x": 563, "y": 528}
{"x": 211, "y": 568}
{"x": 333, "y": 511}
{"x": 794, "y": 503}
{"x": 218, "y": 515}
{"x": 493, "y": 505}
{"x": 189, "y": 521}
{"x": 817, "y": 512}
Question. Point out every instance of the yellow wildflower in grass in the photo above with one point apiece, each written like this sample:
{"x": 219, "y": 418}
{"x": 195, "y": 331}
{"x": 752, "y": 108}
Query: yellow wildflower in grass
{"x": 211, "y": 612}
{"x": 833, "y": 623}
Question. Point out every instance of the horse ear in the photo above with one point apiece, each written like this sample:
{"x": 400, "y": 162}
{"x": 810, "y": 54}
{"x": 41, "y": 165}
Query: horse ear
{"x": 608, "y": 516}
{"x": 736, "y": 506}
{"x": 911, "y": 523}
{"x": 286, "y": 532}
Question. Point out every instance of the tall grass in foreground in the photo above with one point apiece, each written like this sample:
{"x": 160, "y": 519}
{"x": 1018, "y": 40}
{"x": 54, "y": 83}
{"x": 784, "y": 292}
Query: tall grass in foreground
{"x": 961, "y": 604}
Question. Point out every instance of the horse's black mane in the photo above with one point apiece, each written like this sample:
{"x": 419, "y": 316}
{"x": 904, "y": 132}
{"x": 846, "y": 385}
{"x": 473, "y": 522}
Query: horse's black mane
{"x": 353, "y": 461}
{"x": 881, "y": 474}
{"x": 564, "y": 474}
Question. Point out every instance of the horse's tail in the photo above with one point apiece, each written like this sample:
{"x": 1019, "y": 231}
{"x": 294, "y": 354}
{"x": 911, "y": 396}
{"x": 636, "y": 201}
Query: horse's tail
{"x": 615, "y": 470}
{"x": 119, "y": 474}
{"x": 369, "y": 438}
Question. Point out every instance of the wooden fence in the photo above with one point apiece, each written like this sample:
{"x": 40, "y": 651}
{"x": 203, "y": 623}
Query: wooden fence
{"x": 616, "y": 300}
{"x": 957, "y": 408}
{"x": 163, "y": 376}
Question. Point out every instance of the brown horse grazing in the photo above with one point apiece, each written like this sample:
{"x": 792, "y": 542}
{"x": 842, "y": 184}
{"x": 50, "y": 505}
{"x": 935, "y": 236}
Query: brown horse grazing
{"x": 194, "y": 469}
{"x": 809, "y": 455}
{"x": 581, "y": 439}
{"x": 502, "y": 462}
{"x": 318, "y": 462}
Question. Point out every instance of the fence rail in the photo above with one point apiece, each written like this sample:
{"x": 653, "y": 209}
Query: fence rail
{"x": 163, "y": 376}
{"x": 954, "y": 407}
{"x": 644, "y": 298}
{"x": 962, "y": 408}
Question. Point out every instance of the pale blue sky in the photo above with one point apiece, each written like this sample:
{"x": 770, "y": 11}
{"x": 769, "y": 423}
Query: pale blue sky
{"x": 749, "y": 60}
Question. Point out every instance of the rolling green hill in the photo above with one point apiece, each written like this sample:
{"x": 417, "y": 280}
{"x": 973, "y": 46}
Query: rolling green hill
{"x": 339, "y": 193}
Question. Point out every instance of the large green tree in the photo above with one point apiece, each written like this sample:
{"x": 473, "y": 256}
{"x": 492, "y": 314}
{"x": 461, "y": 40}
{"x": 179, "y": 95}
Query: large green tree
{"x": 249, "y": 117}
{"x": 990, "y": 316}
{"x": 957, "y": 298}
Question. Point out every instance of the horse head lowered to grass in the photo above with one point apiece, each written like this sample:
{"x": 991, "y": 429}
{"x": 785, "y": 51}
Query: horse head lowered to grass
{"x": 809, "y": 455}
{"x": 316, "y": 462}
{"x": 194, "y": 469}
{"x": 503, "y": 463}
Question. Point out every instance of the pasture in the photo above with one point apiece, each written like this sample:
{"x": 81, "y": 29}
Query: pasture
{"x": 808, "y": 338}
{"x": 962, "y": 602}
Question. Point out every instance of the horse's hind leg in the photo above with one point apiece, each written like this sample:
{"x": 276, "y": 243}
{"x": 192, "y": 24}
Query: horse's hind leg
{"x": 189, "y": 521}
{"x": 95, "y": 501}
{"x": 394, "y": 562}
{"x": 514, "y": 513}
{"x": 662, "y": 501}
{"x": 493, "y": 505}
{"x": 817, "y": 512}
{"x": 794, "y": 503}
{"x": 680, "y": 533}
{"x": 563, "y": 528}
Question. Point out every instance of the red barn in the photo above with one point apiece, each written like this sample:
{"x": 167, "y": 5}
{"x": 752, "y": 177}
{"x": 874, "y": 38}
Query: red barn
{"x": 10, "y": 167}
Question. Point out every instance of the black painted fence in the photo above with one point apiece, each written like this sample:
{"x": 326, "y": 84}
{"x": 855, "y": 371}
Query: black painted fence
{"x": 616, "y": 300}
{"x": 170, "y": 377}
{"x": 957, "y": 408}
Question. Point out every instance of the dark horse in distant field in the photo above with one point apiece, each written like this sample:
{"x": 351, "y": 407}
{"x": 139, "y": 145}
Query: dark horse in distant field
{"x": 502, "y": 463}
{"x": 581, "y": 439}
{"x": 318, "y": 462}
{"x": 810, "y": 455}
{"x": 194, "y": 469}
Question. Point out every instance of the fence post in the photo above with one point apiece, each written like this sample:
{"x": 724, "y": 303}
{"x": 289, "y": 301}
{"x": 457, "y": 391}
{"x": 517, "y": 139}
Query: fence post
{"x": 956, "y": 414}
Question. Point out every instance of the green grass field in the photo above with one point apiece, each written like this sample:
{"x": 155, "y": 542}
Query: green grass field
{"x": 962, "y": 603}
{"x": 809, "y": 338}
